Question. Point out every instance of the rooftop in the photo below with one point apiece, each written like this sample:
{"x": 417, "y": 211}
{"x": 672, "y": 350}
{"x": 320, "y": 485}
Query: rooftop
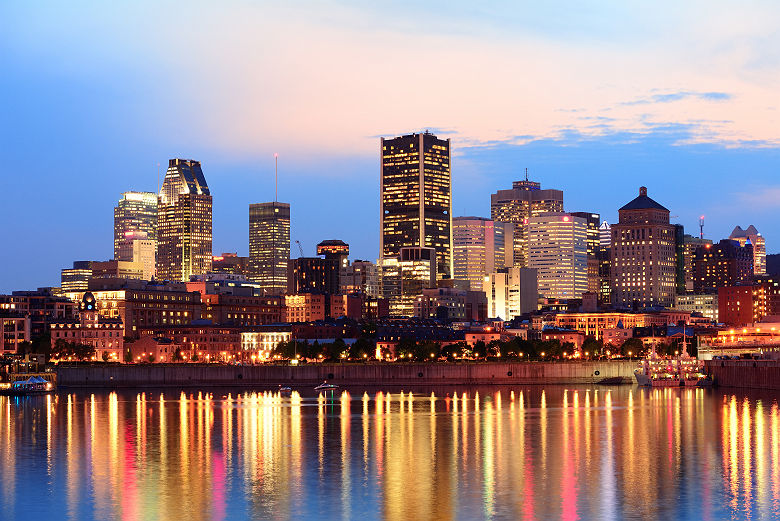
{"x": 643, "y": 202}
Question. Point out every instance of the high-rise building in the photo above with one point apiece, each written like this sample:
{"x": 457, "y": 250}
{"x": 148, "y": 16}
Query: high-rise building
{"x": 594, "y": 247}
{"x": 759, "y": 246}
{"x": 269, "y": 245}
{"x": 416, "y": 197}
{"x": 335, "y": 249}
{"x": 312, "y": 274}
{"x": 723, "y": 264}
{"x": 524, "y": 200}
{"x": 135, "y": 212}
{"x": 77, "y": 277}
{"x": 183, "y": 222}
{"x": 605, "y": 235}
{"x": 480, "y": 246}
{"x": 230, "y": 263}
{"x": 511, "y": 292}
{"x": 558, "y": 250}
{"x": 137, "y": 247}
{"x": 690, "y": 245}
{"x": 605, "y": 268}
{"x": 643, "y": 257}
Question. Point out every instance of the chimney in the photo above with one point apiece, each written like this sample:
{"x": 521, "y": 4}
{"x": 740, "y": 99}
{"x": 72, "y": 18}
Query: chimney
{"x": 643, "y": 191}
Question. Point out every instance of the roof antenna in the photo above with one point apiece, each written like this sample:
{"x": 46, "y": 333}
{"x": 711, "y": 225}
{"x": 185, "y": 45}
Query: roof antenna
{"x": 701, "y": 227}
{"x": 526, "y": 173}
{"x": 276, "y": 177}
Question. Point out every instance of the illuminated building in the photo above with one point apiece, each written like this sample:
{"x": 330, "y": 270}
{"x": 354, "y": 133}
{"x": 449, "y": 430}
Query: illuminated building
{"x": 306, "y": 274}
{"x": 605, "y": 235}
{"x": 336, "y": 250}
{"x": 480, "y": 246}
{"x": 138, "y": 248}
{"x": 448, "y": 304}
{"x": 416, "y": 197}
{"x": 259, "y": 342}
{"x": 269, "y": 245}
{"x": 706, "y": 304}
{"x": 511, "y": 292}
{"x": 358, "y": 306}
{"x": 595, "y": 323}
{"x": 135, "y": 212}
{"x": 114, "y": 269}
{"x": 360, "y": 277}
{"x": 417, "y": 271}
{"x": 230, "y": 263}
{"x": 744, "y": 305}
{"x": 241, "y": 310}
{"x": 723, "y": 264}
{"x": 690, "y": 245}
{"x": 759, "y": 246}
{"x": 558, "y": 250}
{"x": 14, "y": 329}
{"x": 306, "y": 307}
{"x": 643, "y": 255}
{"x": 183, "y": 222}
{"x": 592, "y": 221}
{"x": 42, "y": 306}
{"x": 203, "y": 343}
{"x": 524, "y": 200}
{"x": 77, "y": 277}
{"x": 106, "y": 335}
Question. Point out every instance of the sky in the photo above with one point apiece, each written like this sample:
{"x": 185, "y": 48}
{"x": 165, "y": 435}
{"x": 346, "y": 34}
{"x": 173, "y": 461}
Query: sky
{"x": 595, "y": 100}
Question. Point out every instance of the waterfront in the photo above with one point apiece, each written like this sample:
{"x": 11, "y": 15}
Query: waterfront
{"x": 575, "y": 452}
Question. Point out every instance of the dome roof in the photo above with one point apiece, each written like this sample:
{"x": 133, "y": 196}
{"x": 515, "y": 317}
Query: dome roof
{"x": 643, "y": 202}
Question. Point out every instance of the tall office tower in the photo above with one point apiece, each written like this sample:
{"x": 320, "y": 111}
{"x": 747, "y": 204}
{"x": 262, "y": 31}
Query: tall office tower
{"x": 416, "y": 197}
{"x": 336, "y": 250}
{"x": 558, "y": 250}
{"x": 644, "y": 257}
{"x": 524, "y": 200}
{"x": 416, "y": 272}
{"x": 77, "y": 277}
{"x": 183, "y": 222}
{"x": 511, "y": 292}
{"x": 136, "y": 247}
{"x": 480, "y": 247}
{"x": 724, "y": 264}
{"x": 605, "y": 235}
{"x": 690, "y": 245}
{"x": 679, "y": 259}
{"x": 135, "y": 212}
{"x": 269, "y": 245}
{"x": 759, "y": 246}
{"x": 359, "y": 277}
{"x": 593, "y": 221}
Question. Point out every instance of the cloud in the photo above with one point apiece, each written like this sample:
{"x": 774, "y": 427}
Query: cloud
{"x": 763, "y": 198}
{"x": 671, "y": 97}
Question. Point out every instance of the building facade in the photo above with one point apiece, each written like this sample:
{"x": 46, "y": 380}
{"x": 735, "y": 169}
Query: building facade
{"x": 706, "y": 304}
{"x": 481, "y": 246}
{"x": 135, "y": 213}
{"x": 183, "y": 222}
{"x": 752, "y": 236}
{"x": 106, "y": 335}
{"x": 269, "y": 245}
{"x": 306, "y": 274}
{"x": 558, "y": 251}
{"x": 516, "y": 206}
{"x": 723, "y": 264}
{"x": 512, "y": 292}
{"x": 690, "y": 245}
{"x": 137, "y": 248}
{"x": 416, "y": 197}
{"x": 594, "y": 248}
{"x": 643, "y": 255}
{"x": 360, "y": 277}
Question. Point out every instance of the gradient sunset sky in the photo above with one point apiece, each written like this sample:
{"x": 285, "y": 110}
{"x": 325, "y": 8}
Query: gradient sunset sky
{"x": 679, "y": 96}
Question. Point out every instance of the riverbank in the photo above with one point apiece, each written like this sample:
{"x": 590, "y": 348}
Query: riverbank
{"x": 399, "y": 374}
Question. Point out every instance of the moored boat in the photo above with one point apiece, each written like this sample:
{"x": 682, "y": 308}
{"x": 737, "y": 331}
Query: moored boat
{"x": 31, "y": 386}
{"x": 325, "y": 386}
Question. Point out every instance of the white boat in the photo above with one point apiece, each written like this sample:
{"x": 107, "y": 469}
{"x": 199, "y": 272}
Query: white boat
{"x": 680, "y": 371}
{"x": 325, "y": 386}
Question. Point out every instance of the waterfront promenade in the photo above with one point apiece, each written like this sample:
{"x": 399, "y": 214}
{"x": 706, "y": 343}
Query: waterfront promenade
{"x": 384, "y": 374}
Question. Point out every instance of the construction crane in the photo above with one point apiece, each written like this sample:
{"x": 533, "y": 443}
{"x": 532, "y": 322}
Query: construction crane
{"x": 300, "y": 248}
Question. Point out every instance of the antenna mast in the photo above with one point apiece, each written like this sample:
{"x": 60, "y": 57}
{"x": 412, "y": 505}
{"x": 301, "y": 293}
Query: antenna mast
{"x": 276, "y": 177}
{"x": 526, "y": 173}
{"x": 701, "y": 227}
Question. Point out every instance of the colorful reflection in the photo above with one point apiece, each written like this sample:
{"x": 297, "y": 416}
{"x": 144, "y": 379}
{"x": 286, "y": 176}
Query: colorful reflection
{"x": 487, "y": 453}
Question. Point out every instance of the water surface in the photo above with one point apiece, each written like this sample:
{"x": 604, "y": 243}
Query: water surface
{"x": 445, "y": 453}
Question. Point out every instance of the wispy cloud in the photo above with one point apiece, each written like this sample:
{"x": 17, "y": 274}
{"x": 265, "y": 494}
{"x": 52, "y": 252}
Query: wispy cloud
{"x": 763, "y": 198}
{"x": 671, "y": 97}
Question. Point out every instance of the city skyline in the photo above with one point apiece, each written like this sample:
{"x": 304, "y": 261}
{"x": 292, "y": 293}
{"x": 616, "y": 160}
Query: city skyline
{"x": 699, "y": 119}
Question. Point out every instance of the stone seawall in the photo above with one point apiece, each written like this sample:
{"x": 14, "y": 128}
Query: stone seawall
{"x": 746, "y": 374}
{"x": 184, "y": 375}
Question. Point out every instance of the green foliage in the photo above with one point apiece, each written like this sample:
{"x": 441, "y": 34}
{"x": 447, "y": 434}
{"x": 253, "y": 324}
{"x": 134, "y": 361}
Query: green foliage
{"x": 128, "y": 355}
{"x": 63, "y": 349}
{"x": 634, "y": 345}
{"x": 105, "y": 356}
{"x": 177, "y": 355}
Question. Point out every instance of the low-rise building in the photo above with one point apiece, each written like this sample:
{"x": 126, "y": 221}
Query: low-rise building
{"x": 106, "y": 335}
{"x": 201, "y": 342}
{"x": 258, "y": 343}
{"x": 705, "y": 304}
{"x": 593, "y": 324}
{"x": 564, "y": 336}
{"x": 14, "y": 329}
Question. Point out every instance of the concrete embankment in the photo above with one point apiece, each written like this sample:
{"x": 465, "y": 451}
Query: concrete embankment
{"x": 190, "y": 375}
{"x": 745, "y": 374}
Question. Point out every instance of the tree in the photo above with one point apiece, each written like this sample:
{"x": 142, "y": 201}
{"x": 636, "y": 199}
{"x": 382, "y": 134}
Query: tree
{"x": 195, "y": 356}
{"x": 592, "y": 346}
{"x": 128, "y": 356}
{"x": 633, "y": 345}
{"x": 361, "y": 349}
{"x": 177, "y": 355}
{"x": 105, "y": 356}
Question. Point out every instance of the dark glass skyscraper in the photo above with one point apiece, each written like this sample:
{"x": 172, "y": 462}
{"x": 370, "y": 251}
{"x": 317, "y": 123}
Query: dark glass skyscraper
{"x": 416, "y": 197}
{"x": 269, "y": 245}
{"x": 135, "y": 212}
{"x": 183, "y": 222}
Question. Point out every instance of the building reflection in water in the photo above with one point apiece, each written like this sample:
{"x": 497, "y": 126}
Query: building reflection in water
{"x": 521, "y": 453}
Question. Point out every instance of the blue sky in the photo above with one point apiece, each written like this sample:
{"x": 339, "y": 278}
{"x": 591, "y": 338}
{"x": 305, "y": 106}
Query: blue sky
{"x": 592, "y": 100}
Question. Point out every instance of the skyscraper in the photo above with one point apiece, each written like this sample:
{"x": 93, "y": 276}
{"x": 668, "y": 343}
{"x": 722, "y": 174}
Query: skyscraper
{"x": 480, "y": 246}
{"x": 594, "y": 248}
{"x": 135, "y": 212}
{"x": 759, "y": 246}
{"x": 723, "y": 264}
{"x": 415, "y": 197}
{"x": 643, "y": 257}
{"x": 269, "y": 245}
{"x": 183, "y": 222}
{"x": 558, "y": 250}
{"x": 525, "y": 199}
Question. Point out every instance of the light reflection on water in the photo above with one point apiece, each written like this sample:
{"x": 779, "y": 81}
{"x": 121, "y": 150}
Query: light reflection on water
{"x": 479, "y": 453}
